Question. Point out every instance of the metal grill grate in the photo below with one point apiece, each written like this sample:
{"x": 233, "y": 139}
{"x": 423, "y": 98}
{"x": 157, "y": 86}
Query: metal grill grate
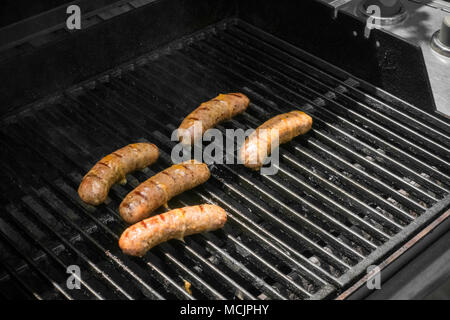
{"x": 371, "y": 171}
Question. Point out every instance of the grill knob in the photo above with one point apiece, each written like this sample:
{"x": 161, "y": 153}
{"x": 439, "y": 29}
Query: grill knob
{"x": 441, "y": 39}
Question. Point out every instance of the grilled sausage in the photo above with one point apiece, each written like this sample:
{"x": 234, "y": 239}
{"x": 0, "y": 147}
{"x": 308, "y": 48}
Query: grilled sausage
{"x": 160, "y": 188}
{"x": 224, "y": 107}
{"x": 258, "y": 145}
{"x": 175, "y": 224}
{"x": 113, "y": 168}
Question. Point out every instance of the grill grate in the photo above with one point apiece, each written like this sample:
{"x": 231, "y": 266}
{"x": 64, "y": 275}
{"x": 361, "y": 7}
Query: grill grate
{"x": 346, "y": 194}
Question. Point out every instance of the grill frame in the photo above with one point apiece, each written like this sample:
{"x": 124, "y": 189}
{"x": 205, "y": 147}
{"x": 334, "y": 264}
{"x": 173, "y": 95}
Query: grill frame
{"x": 124, "y": 71}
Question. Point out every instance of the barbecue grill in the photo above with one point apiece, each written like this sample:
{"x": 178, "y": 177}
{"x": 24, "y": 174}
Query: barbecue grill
{"x": 367, "y": 183}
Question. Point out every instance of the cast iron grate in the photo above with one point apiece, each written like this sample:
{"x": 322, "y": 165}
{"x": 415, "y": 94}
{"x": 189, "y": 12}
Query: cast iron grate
{"x": 371, "y": 172}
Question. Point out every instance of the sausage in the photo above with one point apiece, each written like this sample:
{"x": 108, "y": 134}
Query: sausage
{"x": 113, "y": 168}
{"x": 162, "y": 187}
{"x": 258, "y": 145}
{"x": 175, "y": 224}
{"x": 222, "y": 108}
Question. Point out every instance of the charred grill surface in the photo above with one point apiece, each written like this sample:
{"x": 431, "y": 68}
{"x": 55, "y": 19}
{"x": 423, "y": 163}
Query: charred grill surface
{"x": 369, "y": 174}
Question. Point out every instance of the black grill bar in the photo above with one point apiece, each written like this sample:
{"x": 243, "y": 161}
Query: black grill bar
{"x": 44, "y": 120}
{"x": 377, "y": 168}
{"x": 196, "y": 280}
{"x": 149, "y": 291}
{"x": 230, "y": 283}
{"x": 389, "y": 174}
{"x": 345, "y": 194}
{"x": 390, "y": 205}
{"x": 180, "y": 291}
{"x": 283, "y": 279}
{"x": 48, "y": 251}
{"x": 274, "y": 199}
{"x": 229, "y": 42}
{"x": 86, "y": 261}
{"x": 162, "y": 139}
{"x": 297, "y": 235}
{"x": 310, "y": 78}
{"x": 301, "y": 219}
{"x": 289, "y": 229}
{"x": 267, "y": 267}
{"x": 401, "y": 214}
{"x": 333, "y": 102}
{"x": 263, "y": 43}
{"x": 323, "y": 197}
{"x": 368, "y": 180}
{"x": 401, "y": 168}
{"x": 50, "y": 202}
{"x": 308, "y": 96}
{"x": 35, "y": 267}
{"x": 266, "y": 43}
{"x": 326, "y": 198}
{"x": 268, "y": 241}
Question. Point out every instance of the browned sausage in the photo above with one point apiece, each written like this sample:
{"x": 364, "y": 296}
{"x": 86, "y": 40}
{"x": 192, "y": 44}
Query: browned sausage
{"x": 113, "y": 168}
{"x": 259, "y": 144}
{"x": 175, "y": 224}
{"x": 160, "y": 188}
{"x": 211, "y": 113}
